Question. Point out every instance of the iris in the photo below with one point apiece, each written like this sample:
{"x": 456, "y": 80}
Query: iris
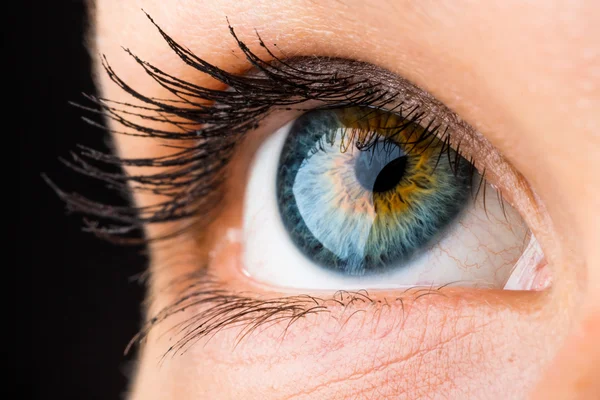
{"x": 364, "y": 191}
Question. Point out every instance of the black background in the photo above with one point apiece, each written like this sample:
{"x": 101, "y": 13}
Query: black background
{"x": 84, "y": 300}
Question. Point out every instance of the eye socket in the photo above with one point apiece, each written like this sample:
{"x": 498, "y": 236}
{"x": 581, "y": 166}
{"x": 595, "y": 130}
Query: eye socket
{"x": 358, "y": 197}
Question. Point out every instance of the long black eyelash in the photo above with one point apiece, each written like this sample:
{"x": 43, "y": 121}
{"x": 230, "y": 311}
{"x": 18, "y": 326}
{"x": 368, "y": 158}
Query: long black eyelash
{"x": 208, "y": 123}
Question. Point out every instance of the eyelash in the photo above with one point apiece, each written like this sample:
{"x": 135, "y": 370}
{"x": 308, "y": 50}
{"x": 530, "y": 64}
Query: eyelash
{"x": 221, "y": 309}
{"x": 191, "y": 178}
{"x": 194, "y": 175}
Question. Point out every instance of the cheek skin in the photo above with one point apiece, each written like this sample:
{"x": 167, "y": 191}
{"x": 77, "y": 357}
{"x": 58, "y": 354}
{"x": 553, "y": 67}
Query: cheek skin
{"x": 580, "y": 355}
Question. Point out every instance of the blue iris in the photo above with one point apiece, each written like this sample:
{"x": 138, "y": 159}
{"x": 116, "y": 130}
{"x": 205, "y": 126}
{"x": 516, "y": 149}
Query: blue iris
{"x": 365, "y": 206}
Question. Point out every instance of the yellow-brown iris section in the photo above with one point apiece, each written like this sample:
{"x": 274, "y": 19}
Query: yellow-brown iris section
{"x": 363, "y": 126}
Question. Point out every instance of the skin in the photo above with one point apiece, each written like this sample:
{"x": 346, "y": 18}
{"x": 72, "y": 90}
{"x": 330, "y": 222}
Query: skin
{"x": 525, "y": 74}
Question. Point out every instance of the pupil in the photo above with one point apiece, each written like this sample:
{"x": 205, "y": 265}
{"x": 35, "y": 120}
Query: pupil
{"x": 380, "y": 167}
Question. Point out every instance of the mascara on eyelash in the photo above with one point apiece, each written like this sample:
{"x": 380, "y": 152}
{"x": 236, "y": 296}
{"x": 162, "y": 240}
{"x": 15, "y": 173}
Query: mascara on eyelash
{"x": 191, "y": 178}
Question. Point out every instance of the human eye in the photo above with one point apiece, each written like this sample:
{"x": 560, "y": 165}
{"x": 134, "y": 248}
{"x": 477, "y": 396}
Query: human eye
{"x": 366, "y": 198}
{"x": 306, "y": 176}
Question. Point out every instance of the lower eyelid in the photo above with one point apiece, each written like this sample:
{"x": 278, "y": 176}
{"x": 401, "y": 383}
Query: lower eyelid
{"x": 209, "y": 307}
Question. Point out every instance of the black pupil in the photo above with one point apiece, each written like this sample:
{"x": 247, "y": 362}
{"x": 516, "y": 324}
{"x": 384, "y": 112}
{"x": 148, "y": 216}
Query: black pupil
{"x": 380, "y": 167}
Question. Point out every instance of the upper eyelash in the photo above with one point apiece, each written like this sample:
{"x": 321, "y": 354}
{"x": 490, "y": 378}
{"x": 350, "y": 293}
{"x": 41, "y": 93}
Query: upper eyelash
{"x": 191, "y": 177}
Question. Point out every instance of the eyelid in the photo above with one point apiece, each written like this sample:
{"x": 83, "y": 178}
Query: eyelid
{"x": 203, "y": 305}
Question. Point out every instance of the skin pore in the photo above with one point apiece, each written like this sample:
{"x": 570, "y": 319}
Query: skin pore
{"x": 525, "y": 74}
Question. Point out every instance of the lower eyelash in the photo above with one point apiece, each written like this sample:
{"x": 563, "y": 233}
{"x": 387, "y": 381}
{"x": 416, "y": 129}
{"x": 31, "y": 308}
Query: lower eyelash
{"x": 219, "y": 309}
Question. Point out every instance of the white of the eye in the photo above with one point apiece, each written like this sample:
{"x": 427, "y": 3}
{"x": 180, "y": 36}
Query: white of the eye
{"x": 531, "y": 272}
{"x": 480, "y": 249}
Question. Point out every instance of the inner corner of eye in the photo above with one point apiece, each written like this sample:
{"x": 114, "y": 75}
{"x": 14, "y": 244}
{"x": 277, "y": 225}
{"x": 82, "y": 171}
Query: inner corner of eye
{"x": 360, "y": 198}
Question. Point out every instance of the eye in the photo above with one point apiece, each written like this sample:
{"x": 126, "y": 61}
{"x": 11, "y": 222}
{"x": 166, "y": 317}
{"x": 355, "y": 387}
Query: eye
{"x": 361, "y": 197}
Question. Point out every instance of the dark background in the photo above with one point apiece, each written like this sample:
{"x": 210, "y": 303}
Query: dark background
{"x": 85, "y": 302}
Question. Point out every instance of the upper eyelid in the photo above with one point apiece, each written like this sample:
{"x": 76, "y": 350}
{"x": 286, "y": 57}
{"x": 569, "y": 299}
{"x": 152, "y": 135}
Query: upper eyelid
{"x": 375, "y": 78}
{"x": 411, "y": 98}
{"x": 399, "y": 92}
